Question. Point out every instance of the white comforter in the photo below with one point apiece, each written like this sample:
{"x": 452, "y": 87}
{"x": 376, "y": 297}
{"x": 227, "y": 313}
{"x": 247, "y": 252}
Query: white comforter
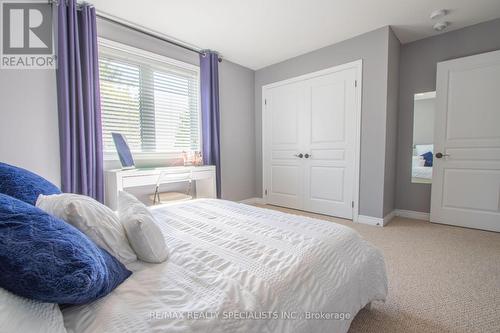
{"x": 234, "y": 266}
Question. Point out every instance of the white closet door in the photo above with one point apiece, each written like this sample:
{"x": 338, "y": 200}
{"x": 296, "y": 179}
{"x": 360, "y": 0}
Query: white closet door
{"x": 284, "y": 169}
{"x": 330, "y": 138}
{"x": 310, "y": 142}
{"x": 466, "y": 178}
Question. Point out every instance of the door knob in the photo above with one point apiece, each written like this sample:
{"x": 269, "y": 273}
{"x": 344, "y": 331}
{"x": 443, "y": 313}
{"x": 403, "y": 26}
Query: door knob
{"x": 299, "y": 155}
{"x": 440, "y": 155}
{"x": 307, "y": 155}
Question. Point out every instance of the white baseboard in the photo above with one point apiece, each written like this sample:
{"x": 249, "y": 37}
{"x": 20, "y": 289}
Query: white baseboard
{"x": 413, "y": 214}
{"x": 253, "y": 201}
{"x": 388, "y": 218}
{"x": 365, "y": 219}
{"x": 377, "y": 221}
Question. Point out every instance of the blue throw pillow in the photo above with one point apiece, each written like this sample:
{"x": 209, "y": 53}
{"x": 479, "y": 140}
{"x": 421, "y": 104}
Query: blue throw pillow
{"x": 428, "y": 158}
{"x": 23, "y": 184}
{"x": 47, "y": 259}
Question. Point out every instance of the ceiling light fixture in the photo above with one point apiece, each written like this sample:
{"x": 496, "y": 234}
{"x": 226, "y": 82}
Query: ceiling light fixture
{"x": 440, "y": 26}
{"x": 438, "y": 14}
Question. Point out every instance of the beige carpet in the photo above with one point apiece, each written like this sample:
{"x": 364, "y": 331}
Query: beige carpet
{"x": 441, "y": 278}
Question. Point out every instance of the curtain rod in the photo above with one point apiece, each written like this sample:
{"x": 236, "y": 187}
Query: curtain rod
{"x": 145, "y": 31}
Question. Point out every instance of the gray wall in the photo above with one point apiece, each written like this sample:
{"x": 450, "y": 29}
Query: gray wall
{"x": 236, "y": 86}
{"x": 424, "y": 111}
{"x": 372, "y": 47}
{"x": 418, "y": 74}
{"x": 391, "y": 132}
{"x": 29, "y": 133}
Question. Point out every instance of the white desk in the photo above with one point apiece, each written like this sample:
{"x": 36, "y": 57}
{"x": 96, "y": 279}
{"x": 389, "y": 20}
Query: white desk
{"x": 119, "y": 180}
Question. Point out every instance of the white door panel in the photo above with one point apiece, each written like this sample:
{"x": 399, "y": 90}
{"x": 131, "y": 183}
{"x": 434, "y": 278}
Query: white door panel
{"x": 330, "y": 135}
{"x": 473, "y": 103}
{"x": 315, "y": 117}
{"x": 461, "y": 185}
{"x": 284, "y": 118}
{"x": 327, "y": 175}
{"x": 327, "y": 110}
{"x": 285, "y": 187}
{"x": 466, "y": 181}
{"x": 285, "y": 179}
{"x": 284, "y": 171}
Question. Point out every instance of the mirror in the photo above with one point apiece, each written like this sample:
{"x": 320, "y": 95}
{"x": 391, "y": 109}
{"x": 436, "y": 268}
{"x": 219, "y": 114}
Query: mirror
{"x": 423, "y": 137}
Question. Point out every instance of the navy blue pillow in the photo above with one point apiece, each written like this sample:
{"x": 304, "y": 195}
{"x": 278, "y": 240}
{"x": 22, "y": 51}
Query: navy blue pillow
{"x": 47, "y": 259}
{"x": 23, "y": 184}
{"x": 428, "y": 159}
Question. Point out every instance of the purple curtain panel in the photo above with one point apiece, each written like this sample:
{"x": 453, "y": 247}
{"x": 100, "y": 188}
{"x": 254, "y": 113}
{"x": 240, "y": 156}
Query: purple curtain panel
{"x": 210, "y": 118}
{"x": 79, "y": 104}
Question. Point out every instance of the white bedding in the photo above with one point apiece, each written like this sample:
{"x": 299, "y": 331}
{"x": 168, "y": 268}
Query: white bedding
{"x": 229, "y": 259}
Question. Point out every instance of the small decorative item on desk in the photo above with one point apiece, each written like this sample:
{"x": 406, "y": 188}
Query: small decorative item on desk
{"x": 185, "y": 158}
{"x": 172, "y": 162}
{"x": 198, "y": 158}
{"x": 192, "y": 158}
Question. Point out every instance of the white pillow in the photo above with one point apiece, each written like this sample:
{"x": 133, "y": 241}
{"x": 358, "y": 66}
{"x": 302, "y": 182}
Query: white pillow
{"x": 19, "y": 314}
{"x": 143, "y": 233}
{"x": 92, "y": 218}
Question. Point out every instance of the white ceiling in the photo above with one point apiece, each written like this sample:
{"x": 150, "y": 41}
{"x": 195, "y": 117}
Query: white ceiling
{"x": 258, "y": 33}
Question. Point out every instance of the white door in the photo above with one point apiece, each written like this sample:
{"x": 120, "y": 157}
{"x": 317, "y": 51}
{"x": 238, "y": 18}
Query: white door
{"x": 284, "y": 113}
{"x": 330, "y": 137}
{"x": 310, "y": 143}
{"x": 466, "y": 177}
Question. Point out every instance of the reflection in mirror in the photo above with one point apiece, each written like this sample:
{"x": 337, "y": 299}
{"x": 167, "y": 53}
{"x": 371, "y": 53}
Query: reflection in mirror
{"x": 423, "y": 137}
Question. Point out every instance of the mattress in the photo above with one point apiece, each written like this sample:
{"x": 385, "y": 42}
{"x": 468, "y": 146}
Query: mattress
{"x": 239, "y": 268}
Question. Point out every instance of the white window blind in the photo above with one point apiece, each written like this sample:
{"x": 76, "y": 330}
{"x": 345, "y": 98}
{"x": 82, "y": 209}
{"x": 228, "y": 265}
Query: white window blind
{"x": 152, "y": 100}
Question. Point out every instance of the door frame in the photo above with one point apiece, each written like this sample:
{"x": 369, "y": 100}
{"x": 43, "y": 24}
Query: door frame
{"x": 358, "y": 65}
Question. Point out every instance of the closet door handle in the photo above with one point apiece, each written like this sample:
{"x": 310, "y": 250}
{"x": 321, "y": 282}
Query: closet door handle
{"x": 299, "y": 155}
{"x": 307, "y": 155}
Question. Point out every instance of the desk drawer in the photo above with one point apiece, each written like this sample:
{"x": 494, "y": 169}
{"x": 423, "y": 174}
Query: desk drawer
{"x": 203, "y": 174}
{"x": 144, "y": 180}
{"x": 134, "y": 181}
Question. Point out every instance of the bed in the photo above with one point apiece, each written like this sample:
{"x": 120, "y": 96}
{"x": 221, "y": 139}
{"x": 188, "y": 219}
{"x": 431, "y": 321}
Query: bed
{"x": 421, "y": 171}
{"x": 421, "y": 174}
{"x": 232, "y": 267}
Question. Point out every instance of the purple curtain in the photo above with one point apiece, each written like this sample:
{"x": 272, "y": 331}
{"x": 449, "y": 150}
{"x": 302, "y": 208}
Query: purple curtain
{"x": 210, "y": 119}
{"x": 79, "y": 105}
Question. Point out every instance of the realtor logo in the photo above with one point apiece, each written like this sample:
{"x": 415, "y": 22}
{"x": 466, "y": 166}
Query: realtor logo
{"x": 27, "y": 35}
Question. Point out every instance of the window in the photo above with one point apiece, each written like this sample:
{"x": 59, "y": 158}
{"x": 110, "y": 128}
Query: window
{"x": 151, "y": 99}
